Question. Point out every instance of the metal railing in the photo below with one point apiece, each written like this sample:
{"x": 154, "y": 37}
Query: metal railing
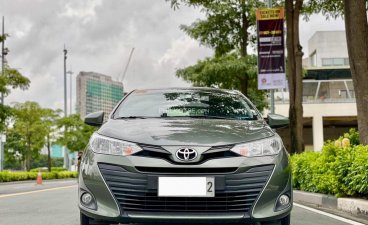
{"x": 322, "y": 91}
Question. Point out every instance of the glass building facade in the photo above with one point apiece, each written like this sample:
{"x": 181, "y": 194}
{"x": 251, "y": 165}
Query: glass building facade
{"x": 97, "y": 92}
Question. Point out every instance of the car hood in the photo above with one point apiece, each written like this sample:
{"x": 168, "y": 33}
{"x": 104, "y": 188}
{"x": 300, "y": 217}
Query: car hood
{"x": 200, "y": 132}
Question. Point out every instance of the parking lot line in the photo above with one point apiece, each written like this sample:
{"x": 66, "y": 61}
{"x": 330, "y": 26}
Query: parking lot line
{"x": 37, "y": 191}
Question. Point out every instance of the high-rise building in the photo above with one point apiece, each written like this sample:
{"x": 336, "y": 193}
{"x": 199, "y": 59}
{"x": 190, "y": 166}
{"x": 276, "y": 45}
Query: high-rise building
{"x": 97, "y": 92}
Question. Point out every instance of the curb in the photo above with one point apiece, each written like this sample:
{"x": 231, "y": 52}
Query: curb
{"x": 33, "y": 181}
{"x": 357, "y": 207}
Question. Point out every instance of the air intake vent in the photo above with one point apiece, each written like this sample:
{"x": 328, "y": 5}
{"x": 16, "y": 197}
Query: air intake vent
{"x": 134, "y": 193}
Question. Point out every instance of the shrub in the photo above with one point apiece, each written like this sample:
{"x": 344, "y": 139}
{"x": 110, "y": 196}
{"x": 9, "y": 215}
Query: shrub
{"x": 7, "y": 176}
{"x": 45, "y": 169}
{"x": 339, "y": 169}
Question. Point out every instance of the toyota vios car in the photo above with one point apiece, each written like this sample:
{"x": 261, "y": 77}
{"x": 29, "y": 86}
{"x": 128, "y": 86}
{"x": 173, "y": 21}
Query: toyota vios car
{"x": 198, "y": 155}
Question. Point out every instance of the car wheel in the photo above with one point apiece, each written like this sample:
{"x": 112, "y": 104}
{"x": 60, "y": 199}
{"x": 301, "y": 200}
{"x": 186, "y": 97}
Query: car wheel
{"x": 283, "y": 221}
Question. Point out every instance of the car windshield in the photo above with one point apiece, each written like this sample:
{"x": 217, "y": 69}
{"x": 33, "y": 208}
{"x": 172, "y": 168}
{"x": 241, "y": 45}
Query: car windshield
{"x": 186, "y": 103}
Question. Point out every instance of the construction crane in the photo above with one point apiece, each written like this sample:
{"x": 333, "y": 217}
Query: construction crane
{"x": 127, "y": 65}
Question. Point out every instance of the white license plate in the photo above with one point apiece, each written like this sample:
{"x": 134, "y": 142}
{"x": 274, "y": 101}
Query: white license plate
{"x": 186, "y": 186}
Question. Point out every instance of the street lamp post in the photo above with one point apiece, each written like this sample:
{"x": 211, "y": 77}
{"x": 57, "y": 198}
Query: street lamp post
{"x": 66, "y": 152}
{"x": 272, "y": 91}
{"x": 3, "y": 58}
{"x": 70, "y": 72}
{"x": 4, "y": 52}
{"x": 2, "y": 97}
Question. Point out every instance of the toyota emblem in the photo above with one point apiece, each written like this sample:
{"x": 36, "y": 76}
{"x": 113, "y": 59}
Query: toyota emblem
{"x": 186, "y": 154}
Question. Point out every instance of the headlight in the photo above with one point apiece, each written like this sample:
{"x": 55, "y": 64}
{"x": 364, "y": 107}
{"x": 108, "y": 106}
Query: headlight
{"x": 105, "y": 145}
{"x": 268, "y": 146}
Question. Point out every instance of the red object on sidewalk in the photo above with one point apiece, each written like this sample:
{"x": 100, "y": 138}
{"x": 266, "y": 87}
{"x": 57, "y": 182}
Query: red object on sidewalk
{"x": 39, "y": 178}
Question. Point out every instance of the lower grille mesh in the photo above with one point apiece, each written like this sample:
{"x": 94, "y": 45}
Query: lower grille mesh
{"x": 134, "y": 194}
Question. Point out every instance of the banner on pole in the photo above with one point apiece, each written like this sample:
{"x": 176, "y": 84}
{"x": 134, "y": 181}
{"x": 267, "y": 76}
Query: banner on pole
{"x": 271, "y": 48}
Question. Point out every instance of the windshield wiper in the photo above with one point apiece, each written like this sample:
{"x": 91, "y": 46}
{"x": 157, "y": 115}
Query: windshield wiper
{"x": 130, "y": 117}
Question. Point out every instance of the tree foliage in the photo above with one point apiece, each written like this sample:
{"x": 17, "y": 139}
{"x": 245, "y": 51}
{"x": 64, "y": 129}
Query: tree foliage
{"x": 76, "y": 133}
{"x": 10, "y": 79}
{"x": 228, "y": 29}
{"x": 227, "y": 26}
{"x": 29, "y": 129}
{"x": 225, "y": 72}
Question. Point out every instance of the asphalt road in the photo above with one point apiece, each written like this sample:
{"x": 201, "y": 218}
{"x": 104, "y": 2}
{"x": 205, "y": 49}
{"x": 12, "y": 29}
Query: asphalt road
{"x": 55, "y": 203}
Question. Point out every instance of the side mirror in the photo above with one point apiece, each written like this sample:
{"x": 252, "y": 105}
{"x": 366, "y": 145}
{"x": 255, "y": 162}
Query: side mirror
{"x": 94, "y": 119}
{"x": 277, "y": 121}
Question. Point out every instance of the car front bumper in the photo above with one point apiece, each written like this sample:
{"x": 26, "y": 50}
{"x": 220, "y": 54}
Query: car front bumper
{"x": 125, "y": 189}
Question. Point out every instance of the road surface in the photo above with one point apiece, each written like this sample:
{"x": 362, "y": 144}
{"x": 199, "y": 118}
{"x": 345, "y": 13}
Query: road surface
{"x": 55, "y": 203}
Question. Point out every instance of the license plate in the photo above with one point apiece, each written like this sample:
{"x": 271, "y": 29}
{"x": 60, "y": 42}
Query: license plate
{"x": 186, "y": 186}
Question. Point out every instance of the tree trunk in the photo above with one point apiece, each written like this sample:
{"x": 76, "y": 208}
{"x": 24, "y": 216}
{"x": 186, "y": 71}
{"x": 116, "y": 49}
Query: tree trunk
{"x": 244, "y": 42}
{"x": 28, "y": 154}
{"x": 295, "y": 74}
{"x": 48, "y": 154}
{"x": 244, "y": 83}
{"x": 24, "y": 164}
{"x": 357, "y": 40}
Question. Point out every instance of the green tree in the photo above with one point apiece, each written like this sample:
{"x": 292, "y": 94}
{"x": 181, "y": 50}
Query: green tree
{"x": 50, "y": 118}
{"x": 10, "y": 79}
{"x": 13, "y": 149}
{"x": 356, "y": 26}
{"x": 76, "y": 133}
{"x": 30, "y": 129}
{"x": 228, "y": 29}
{"x": 293, "y": 9}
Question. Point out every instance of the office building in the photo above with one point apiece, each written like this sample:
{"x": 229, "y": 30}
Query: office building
{"x": 97, "y": 92}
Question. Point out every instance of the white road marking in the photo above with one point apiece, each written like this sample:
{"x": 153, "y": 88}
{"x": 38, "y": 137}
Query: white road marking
{"x": 328, "y": 215}
{"x": 37, "y": 191}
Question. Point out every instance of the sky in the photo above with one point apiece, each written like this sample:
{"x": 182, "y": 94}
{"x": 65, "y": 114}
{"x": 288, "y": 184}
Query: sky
{"x": 99, "y": 35}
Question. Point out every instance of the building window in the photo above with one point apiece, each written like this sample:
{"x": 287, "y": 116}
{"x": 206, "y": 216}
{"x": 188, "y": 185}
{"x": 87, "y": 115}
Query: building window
{"x": 335, "y": 61}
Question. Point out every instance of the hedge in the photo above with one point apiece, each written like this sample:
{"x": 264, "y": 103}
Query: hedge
{"x": 340, "y": 169}
{"x": 45, "y": 169}
{"x": 7, "y": 176}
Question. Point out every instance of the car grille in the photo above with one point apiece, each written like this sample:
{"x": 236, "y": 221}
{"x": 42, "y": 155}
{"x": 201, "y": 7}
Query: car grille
{"x": 136, "y": 192}
{"x": 215, "y": 152}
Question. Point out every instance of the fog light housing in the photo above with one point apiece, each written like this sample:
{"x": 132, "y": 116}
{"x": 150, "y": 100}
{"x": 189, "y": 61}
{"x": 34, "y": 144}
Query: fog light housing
{"x": 87, "y": 200}
{"x": 284, "y": 200}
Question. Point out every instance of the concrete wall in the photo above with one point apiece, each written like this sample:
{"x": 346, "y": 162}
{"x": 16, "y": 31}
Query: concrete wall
{"x": 327, "y": 44}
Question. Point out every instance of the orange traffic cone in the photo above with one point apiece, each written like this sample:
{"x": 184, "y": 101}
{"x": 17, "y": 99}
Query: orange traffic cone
{"x": 39, "y": 178}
